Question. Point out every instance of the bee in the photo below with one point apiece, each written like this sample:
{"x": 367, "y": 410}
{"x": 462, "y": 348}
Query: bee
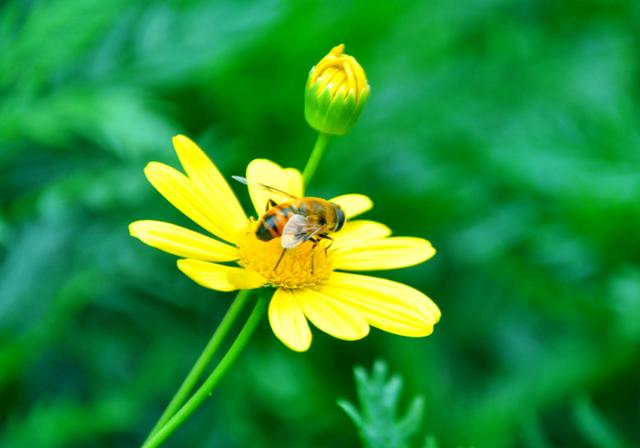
{"x": 298, "y": 220}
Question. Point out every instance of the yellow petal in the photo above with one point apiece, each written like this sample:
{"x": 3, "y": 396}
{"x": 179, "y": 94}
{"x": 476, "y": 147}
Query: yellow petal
{"x": 357, "y": 231}
{"x": 387, "y": 305}
{"x": 273, "y": 175}
{"x": 288, "y": 322}
{"x": 182, "y": 194}
{"x": 386, "y": 253}
{"x": 220, "y": 277}
{"x": 223, "y": 206}
{"x": 182, "y": 242}
{"x": 332, "y": 316}
{"x": 353, "y": 204}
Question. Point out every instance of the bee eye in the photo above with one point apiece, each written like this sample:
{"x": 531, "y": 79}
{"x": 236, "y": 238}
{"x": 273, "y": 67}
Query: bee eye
{"x": 340, "y": 219}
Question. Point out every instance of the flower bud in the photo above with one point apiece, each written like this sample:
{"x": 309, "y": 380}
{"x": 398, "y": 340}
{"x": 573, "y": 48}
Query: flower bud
{"x": 336, "y": 92}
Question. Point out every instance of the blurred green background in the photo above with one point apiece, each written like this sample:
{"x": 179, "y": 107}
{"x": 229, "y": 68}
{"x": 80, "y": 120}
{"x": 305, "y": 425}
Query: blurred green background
{"x": 504, "y": 131}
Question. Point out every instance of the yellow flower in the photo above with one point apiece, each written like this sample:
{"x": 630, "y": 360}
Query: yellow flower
{"x": 336, "y": 92}
{"x": 341, "y": 304}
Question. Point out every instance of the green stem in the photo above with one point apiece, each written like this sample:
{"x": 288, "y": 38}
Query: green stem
{"x": 210, "y": 383}
{"x": 203, "y": 361}
{"x": 314, "y": 158}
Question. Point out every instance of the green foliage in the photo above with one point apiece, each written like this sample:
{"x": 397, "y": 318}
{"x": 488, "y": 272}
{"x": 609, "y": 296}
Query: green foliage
{"x": 505, "y": 131}
{"x": 378, "y": 422}
{"x": 594, "y": 426}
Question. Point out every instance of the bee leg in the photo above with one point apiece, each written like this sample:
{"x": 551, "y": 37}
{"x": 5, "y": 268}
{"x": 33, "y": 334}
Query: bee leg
{"x": 326, "y": 237}
{"x": 279, "y": 259}
{"x": 313, "y": 250}
{"x": 270, "y": 203}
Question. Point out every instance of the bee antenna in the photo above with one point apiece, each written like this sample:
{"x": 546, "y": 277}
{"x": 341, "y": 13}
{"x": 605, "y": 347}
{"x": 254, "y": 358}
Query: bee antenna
{"x": 244, "y": 180}
{"x": 240, "y": 179}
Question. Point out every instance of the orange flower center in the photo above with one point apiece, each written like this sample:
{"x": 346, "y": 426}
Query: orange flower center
{"x": 303, "y": 266}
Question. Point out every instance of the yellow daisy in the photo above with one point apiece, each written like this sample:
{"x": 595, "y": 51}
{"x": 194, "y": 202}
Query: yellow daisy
{"x": 341, "y": 304}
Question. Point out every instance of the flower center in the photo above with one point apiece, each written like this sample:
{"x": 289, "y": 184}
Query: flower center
{"x": 301, "y": 267}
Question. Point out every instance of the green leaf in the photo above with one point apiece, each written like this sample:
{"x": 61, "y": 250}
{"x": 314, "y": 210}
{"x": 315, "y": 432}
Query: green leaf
{"x": 378, "y": 421}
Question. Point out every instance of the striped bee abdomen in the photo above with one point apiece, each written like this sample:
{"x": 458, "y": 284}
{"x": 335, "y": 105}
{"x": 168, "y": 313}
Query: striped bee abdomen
{"x": 273, "y": 221}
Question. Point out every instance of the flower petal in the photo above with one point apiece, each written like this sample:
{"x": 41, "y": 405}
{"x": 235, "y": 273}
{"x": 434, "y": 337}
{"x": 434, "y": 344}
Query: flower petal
{"x": 353, "y": 204}
{"x": 357, "y": 231}
{"x": 220, "y": 277}
{"x": 287, "y": 320}
{"x": 386, "y": 253}
{"x": 183, "y": 195}
{"x": 387, "y": 305}
{"x": 226, "y": 212}
{"x": 273, "y": 175}
{"x": 332, "y": 316}
{"x": 182, "y": 242}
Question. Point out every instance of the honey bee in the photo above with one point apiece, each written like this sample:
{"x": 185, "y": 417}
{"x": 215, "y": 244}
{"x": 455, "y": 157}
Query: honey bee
{"x": 298, "y": 220}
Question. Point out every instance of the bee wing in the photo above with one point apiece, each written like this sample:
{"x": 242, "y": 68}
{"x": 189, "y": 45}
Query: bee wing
{"x": 246, "y": 181}
{"x": 297, "y": 230}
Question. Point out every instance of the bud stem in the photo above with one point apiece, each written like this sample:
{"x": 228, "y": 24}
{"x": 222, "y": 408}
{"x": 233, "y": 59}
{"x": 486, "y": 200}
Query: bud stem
{"x": 314, "y": 158}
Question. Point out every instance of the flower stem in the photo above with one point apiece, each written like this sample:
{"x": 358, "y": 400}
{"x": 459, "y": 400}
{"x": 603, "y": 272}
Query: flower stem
{"x": 211, "y": 382}
{"x": 203, "y": 361}
{"x": 314, "y": 158}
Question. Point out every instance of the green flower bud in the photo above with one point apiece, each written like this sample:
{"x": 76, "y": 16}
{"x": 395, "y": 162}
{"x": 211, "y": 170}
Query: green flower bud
{"x": 336, "y": 92}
